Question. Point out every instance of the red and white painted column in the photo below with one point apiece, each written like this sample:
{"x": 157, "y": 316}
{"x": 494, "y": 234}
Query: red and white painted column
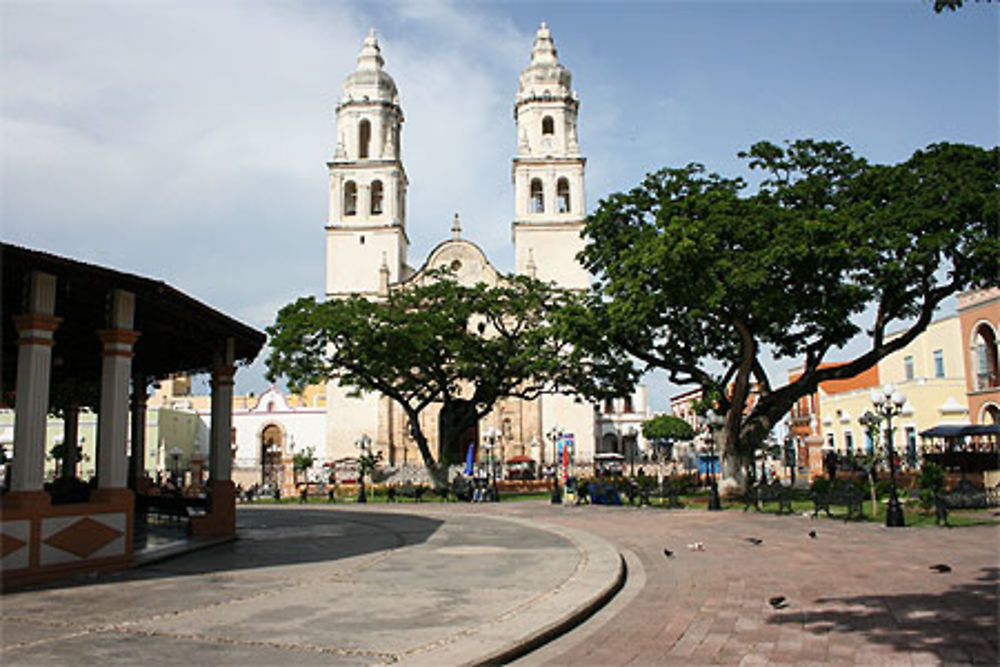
{"x": 116, "y": 372}
{"x": 221, "y": 519}
{"x": 35, "y": 331}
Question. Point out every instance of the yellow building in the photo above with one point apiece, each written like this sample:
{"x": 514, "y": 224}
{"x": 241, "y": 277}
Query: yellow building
{"x": 929, "y": 372}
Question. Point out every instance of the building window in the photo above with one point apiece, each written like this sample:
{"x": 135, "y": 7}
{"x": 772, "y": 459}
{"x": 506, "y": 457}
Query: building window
{"x": 830, "y": 442}
{"x": 548, "y": 125}
{"x": 537, "y": 197}
{"x": 869, "y": 443}
{"x": 849, "y": 442}
{"x": 562, "y": 195}
{"x": 908, "y": 367}
{"x": 350, "y": 198}
{"x": 938, "y": 363}
{"x": 376, "y": 195}
{"x": 364, "y": 138}
{"x": 609, "y": 406}
{"x": 628, "y": 404}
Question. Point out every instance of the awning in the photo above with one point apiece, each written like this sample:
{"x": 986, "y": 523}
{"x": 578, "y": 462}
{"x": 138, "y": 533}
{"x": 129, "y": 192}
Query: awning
{"x": 961, "y": 430}
{"x": 521, "y": 459}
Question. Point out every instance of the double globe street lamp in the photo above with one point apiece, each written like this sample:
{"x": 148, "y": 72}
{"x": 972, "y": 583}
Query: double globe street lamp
{"x": 363, "y": 443}
{"x": 714, "y": 422}
{"x": 888, "y": 404}
{"x": 489, "y": 444}
{"x": 555, "y": 435}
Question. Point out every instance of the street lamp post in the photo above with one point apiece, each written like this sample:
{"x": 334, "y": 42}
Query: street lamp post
{"x": 555, "y": 435}
{"x": 889, "y": 403}
{"x": 714, "y": 422}
{"x": 490, "y": 445}
{"x": 790, "y": 456}
{"x": 633, "y": 445}
{"x": 363, "y": 443}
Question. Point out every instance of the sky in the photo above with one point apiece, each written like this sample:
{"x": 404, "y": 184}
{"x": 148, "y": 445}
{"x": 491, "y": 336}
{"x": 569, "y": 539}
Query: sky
{"x": 187, "y": 141}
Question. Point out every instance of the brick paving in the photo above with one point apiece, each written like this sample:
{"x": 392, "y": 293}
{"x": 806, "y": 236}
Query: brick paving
{"x": 857, "y": 594}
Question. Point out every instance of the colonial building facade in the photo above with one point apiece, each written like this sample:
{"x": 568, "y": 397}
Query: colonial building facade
{"x": 367, "y": 245}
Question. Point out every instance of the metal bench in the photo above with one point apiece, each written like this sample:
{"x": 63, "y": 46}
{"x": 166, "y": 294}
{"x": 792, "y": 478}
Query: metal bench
{"x": 408, "y": 491}
{"x": 845, "y": 495}
{"x": 964, "y": 496}
{"x": 768, "y": 493}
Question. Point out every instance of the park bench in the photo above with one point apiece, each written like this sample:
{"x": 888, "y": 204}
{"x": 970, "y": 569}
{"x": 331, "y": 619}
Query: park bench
{"x": 603, "y": 493}
{"x": 416, "y": 492}
{"x": 964, "y": 496}
{"x": 768, "y": 493}
{"x": 462, "y": 489}
{"x": 666, "y": 491}
{"x": 841, "y": 494}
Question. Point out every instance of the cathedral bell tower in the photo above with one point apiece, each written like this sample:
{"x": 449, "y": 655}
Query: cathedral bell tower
{"x": 549, "y": 208}
{"x": 366, "y": 228}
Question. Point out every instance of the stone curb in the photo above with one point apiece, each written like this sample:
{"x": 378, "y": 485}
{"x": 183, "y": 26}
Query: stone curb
{"x": 600, "y": 575}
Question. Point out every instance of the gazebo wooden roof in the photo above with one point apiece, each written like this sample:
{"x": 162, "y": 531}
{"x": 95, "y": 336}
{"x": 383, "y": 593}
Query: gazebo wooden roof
{"x": 179, "y": 334}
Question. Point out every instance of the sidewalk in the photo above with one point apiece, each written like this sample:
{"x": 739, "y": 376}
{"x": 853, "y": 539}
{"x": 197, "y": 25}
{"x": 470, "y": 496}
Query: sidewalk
{"x": 326, "y": 585}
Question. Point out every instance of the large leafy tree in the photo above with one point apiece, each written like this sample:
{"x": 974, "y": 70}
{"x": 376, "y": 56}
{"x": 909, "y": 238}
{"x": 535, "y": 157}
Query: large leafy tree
{"x": 698, "y": 278}
{"x": 440, "y": 343}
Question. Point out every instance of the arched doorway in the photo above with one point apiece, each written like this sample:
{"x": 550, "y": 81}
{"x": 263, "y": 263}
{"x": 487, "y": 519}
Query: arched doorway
{"x": 991, "y": 414}
{"x": 985, "y": 346}
{"x": 272, "y": 451}
{"x": 458, "y": 428}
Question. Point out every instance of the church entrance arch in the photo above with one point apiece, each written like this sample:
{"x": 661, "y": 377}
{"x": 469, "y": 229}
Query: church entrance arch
{"x": 458, "y": 428}
{"x": 272, "y": 454}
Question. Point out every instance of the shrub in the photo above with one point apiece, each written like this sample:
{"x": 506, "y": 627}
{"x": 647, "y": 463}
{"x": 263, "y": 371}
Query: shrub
{"x": 931, "y": 481}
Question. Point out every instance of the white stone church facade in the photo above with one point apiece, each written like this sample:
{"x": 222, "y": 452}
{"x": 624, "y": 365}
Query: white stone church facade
{"x": 367, "y": 245}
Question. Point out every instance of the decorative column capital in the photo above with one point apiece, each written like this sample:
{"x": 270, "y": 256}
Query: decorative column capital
{"x": 118, "y": 342}
{"x": 36, "y": 328}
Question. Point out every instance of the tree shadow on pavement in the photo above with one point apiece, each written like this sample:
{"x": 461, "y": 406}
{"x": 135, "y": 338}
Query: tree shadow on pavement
{"x": 958, "y": 625}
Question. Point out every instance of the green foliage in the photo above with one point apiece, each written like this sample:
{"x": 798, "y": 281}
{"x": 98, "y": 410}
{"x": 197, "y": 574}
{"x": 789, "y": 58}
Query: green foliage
{"x": 443, "y": 342}
{"x": 304, "y": 460}
{"x": 368, "y": 462}
{"x": 58, "y": 452}
{"x": 930, "y": 482}
{"x": 696, "y": 277}
{"x": 951, "y": 5}
{"x": 663, "y": 427}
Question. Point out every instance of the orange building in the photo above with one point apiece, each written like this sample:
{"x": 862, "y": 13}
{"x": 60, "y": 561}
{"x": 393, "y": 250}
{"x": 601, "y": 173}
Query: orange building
{"x": 979, "y": 315}
{"x": 805, "y": 417}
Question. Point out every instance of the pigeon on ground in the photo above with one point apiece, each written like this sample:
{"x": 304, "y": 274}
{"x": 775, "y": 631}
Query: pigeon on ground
{"x": 778, "y": 602}
{"x": 941, "y": 568}
{"x": 668, "y": 553}
{"x": 812, "y": 534}
{"x": 697, "y": 546}
{"x": 756, "y": 541}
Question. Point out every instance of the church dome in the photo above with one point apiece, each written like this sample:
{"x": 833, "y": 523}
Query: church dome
{"x": 369, "y": 82}
{"x": 545, "y": 77}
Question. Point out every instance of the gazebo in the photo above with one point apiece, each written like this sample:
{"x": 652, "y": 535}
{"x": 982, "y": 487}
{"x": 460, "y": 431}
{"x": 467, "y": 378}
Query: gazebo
{"x": 89, "y": 336}
{"x": 971, "y": 448}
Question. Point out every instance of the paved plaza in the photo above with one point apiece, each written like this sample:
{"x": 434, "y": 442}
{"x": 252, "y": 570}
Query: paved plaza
{"x": 443, "y": 584}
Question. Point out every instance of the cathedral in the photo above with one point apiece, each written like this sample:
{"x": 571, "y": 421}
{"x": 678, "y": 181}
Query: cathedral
{"x": 367, "y": 247}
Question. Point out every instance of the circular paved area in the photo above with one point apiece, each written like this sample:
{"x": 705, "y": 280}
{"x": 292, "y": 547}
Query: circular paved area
{"x": 856, "y": 594}
{"x": 453, "y": 584}
{"x": 323, "y": 585}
